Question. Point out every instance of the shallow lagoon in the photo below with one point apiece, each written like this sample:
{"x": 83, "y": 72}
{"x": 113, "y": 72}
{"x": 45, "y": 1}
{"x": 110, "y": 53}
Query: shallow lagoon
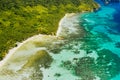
{"x": 106, "y": 21}
{"x": 93, "y": 57}
{"x": 99, "y": 50}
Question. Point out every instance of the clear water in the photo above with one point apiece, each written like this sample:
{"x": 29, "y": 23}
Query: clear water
{"x": 105, "y": 22}
{"x": 94, "y": 57}
{"x": 97, "y": 55}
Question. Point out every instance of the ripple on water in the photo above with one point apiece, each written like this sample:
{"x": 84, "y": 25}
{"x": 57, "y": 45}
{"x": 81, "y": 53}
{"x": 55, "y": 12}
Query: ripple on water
{"x": 105, "y": 21}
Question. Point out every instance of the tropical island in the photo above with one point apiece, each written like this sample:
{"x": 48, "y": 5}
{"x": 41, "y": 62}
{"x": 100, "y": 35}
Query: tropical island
{"x": 59, "y": 40}
{"x": 21, "y": 19}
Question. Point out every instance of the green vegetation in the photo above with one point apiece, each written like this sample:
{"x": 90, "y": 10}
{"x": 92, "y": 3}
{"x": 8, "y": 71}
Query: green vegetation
{"x": 20, "y": 19}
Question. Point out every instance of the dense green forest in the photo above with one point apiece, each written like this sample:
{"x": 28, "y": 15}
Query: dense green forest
{"x": 20, "y": 19}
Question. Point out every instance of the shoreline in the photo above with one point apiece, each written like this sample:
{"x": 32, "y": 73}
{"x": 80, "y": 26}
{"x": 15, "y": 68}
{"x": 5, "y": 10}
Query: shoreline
{"x": 19, "y": 56}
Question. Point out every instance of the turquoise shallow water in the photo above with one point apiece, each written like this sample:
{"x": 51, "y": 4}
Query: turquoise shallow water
{"x": 104, "y": 26}
{"x": 96, "y": 56}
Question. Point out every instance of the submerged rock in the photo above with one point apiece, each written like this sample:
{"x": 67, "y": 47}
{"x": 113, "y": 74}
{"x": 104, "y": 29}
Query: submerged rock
{"x": 117, "y": 44}
{"x": 25, "y": 60}
{"x": 105, "y": 67}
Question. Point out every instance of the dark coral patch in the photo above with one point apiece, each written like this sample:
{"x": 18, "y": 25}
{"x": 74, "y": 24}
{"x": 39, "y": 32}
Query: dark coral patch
{"x": 106, "y": 66}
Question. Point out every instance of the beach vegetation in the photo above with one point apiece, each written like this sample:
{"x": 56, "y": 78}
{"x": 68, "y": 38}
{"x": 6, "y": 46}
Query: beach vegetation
{"x": 21, "y": 19}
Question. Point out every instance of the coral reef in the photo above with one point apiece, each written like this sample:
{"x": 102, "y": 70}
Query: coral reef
{"x": 106, "y": 66}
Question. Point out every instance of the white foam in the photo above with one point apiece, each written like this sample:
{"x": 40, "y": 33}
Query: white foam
{"x": 68, "y": 26}
{"x": 19, "y": 56}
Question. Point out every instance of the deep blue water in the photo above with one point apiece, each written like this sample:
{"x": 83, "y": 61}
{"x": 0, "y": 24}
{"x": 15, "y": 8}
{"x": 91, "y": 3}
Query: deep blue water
{"x": 105, "y": 22}
{"x": 102, "y": 39}
{"x": 116, "y": 15}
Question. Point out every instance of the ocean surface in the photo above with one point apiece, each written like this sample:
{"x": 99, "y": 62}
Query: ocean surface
{"x": 105, "y": 22}
{"x": 96, "y": 56}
